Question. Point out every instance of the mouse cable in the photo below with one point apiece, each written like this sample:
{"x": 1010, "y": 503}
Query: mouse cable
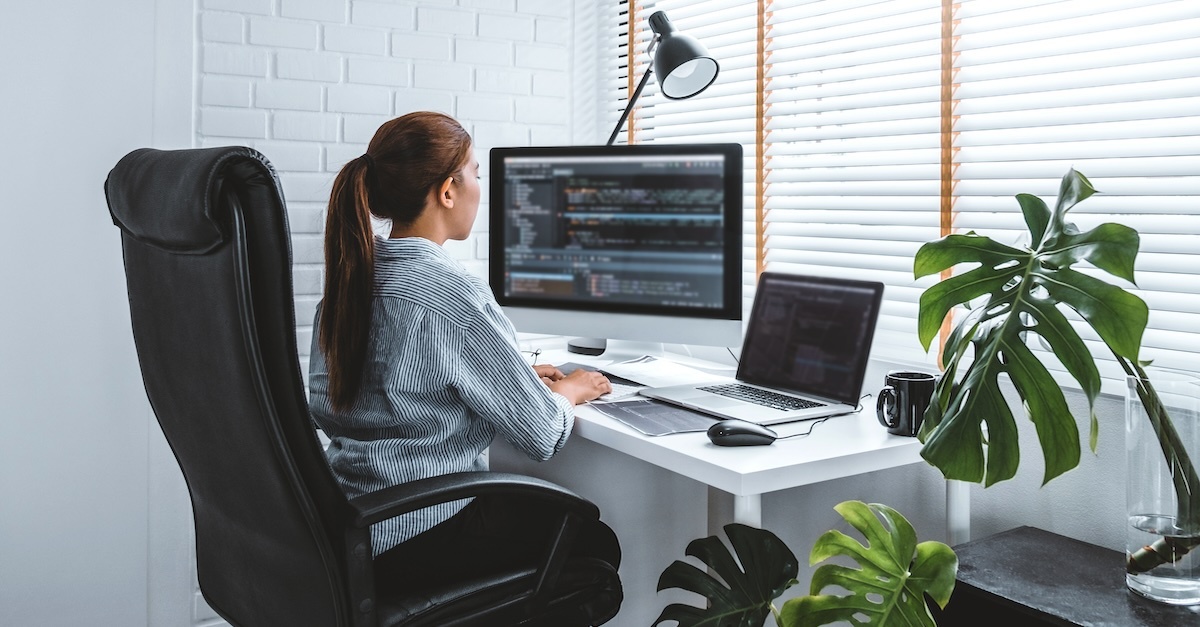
{"x": 817, "y": 422}
{"x": 735, "y": 359}
{"x": 811, "y": 426}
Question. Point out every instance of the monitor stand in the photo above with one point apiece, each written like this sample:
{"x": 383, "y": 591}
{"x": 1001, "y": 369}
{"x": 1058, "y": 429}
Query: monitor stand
{"x": 615, "y": 349}
{"x": 587, "y": 345}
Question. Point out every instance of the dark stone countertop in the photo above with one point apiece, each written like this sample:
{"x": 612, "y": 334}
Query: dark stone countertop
{"x": 1060, "y": 580}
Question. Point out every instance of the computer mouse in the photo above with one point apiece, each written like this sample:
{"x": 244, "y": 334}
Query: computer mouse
{"x": 740, "y": 433}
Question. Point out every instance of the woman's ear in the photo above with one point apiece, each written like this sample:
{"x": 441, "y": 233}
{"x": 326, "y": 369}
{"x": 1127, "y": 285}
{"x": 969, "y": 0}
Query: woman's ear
{"x": 445, "y": 193}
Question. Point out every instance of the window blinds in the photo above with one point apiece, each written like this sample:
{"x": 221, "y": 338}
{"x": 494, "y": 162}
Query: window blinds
{"x": 885, "y": 124}
{"x": 1111, "y": 88}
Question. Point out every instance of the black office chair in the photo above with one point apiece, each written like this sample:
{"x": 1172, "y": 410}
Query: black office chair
{"x": 208, "y": 263}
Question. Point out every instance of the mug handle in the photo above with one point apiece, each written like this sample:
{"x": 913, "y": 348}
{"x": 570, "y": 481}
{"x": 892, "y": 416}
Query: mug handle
{"x": 886, "y": 396}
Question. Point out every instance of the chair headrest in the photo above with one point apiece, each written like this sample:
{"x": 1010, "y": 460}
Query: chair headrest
{"x": 171, "y": 199}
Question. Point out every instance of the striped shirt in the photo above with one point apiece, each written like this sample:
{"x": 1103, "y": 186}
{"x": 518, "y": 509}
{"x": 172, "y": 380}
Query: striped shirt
{"x": 443, "y": 375}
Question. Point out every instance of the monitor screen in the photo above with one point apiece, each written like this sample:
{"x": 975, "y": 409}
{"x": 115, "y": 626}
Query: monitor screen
{"x": 621, "y": 230}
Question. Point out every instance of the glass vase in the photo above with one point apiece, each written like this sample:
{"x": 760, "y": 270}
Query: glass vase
{"x": 1162, "y": 431}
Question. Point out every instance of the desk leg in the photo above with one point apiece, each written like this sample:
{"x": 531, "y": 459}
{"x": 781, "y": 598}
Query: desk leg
{"x": 958, "y": 512}
{"x": 724, "y": 508}
{"x": 748, "y": 510}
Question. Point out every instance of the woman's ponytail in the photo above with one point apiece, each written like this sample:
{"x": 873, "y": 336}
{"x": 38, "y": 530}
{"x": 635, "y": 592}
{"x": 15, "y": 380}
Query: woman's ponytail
{"x": 345, "y": 320}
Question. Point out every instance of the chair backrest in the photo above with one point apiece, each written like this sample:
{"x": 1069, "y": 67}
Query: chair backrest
{"x": 208, "y": 264}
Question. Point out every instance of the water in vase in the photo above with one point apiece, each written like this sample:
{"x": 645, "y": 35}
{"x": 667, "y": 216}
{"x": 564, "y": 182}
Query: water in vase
{"x": 1177, "y": 582}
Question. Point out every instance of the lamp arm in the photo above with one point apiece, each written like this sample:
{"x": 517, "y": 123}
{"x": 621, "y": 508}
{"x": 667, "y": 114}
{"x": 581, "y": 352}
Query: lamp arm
{"x": 637, "y": 92}
{"x": 629, "y": 107}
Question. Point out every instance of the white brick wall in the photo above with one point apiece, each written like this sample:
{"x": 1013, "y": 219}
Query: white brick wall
{"x": 285, "y": 34}
{"x": 390, "y": 72}
{"x": 382, "y": 14}
{"x": 359, "y": 40}
{"x": 307, "y": 83}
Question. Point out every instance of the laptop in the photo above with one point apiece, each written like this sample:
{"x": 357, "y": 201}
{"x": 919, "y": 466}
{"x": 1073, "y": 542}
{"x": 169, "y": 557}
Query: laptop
{"x": 804, "y": 355}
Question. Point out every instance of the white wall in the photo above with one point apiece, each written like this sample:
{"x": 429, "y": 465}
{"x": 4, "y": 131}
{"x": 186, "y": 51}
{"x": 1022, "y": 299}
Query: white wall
{"x": 77, "y": 462}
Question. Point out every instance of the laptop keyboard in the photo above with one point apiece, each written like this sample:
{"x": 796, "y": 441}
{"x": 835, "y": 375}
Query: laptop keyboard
{"x": 760, "y": 397}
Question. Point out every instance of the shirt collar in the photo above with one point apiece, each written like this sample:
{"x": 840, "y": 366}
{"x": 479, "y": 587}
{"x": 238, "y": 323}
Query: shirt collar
{"x": 409, "y": 248}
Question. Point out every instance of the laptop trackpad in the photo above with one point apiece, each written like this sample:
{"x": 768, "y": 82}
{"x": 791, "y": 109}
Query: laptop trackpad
{"x": 716, "y": 401}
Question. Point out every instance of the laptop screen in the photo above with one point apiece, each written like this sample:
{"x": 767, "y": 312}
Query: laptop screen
{"x": 811, "y": 335}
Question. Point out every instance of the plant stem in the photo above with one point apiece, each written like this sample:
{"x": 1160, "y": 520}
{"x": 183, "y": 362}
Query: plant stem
{"x": 1167, "y": 549}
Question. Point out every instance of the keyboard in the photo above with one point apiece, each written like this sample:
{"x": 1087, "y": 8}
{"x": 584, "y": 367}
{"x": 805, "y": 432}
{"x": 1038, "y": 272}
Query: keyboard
{"x": 620, "y": 391}
{"x": 762, "y": 397}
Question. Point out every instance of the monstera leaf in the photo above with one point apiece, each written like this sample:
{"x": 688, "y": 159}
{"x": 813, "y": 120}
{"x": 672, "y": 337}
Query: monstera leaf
{"x": 889, "y": 586}
{"x": 1020, "y": 291}
{"x": 744, "y": 599}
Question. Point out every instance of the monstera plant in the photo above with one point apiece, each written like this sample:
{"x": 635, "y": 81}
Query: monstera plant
{"x": 1021, "y": 291}
{"x": 1014, "y": 296}
{"x": 888, "y": 588}
{"x": 1017, "y": 294}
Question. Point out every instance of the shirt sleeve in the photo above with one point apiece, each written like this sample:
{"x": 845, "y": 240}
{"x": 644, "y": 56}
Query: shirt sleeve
{"x": 499, "y": 386}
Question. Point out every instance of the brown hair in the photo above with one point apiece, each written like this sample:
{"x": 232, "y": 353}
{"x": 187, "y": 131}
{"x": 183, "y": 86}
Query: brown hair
{"x": 407, "y": 158}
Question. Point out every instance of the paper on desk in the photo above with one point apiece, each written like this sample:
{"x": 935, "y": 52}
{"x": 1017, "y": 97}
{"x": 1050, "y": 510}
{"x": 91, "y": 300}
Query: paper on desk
{"x": 621, "y": 388}
{"x": 653, "y": 418}
{"x": 657, "y": 372}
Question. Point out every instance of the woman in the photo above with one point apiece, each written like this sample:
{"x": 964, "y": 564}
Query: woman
{"x": 414, "y": 368}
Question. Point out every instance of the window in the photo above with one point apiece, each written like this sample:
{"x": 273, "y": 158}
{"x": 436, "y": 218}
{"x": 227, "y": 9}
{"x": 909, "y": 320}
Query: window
{"x": 884, "y": 124}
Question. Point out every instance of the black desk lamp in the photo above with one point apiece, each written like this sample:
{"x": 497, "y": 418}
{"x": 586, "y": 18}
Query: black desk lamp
{"x": 681, "y": 61}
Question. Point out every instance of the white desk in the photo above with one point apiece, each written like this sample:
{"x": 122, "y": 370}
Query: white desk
{"x": 839, "y": 447}
{"x": 842, "y": 446}
{"x": 662, "y": 492}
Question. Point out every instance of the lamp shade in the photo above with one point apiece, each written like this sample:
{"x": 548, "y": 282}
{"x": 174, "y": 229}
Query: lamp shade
{"x": 681, "y": 62}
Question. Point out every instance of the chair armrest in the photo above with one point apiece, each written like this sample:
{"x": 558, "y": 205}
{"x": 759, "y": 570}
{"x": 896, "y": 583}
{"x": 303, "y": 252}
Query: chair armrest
{"x": 408, "y": 497}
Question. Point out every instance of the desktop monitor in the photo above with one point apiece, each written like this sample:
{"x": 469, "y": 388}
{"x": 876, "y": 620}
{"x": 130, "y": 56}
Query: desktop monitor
{"x": 638, "y": 242}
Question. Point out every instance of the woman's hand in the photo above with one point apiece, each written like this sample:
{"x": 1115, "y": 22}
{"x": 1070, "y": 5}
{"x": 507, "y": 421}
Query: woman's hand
{"x": 581, "y": 386}
{"x": 548, "y": 372}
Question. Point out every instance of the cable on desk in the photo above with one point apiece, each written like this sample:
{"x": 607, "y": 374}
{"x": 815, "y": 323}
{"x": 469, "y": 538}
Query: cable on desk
{"x": 735, "y": 359}
{"x": 817, "y": 422}
{"x": 860, "y": 400}
{"x": 809, "y": 432}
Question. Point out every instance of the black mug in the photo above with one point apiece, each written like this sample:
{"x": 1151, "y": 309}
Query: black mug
{"x": 903, "y": 400}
